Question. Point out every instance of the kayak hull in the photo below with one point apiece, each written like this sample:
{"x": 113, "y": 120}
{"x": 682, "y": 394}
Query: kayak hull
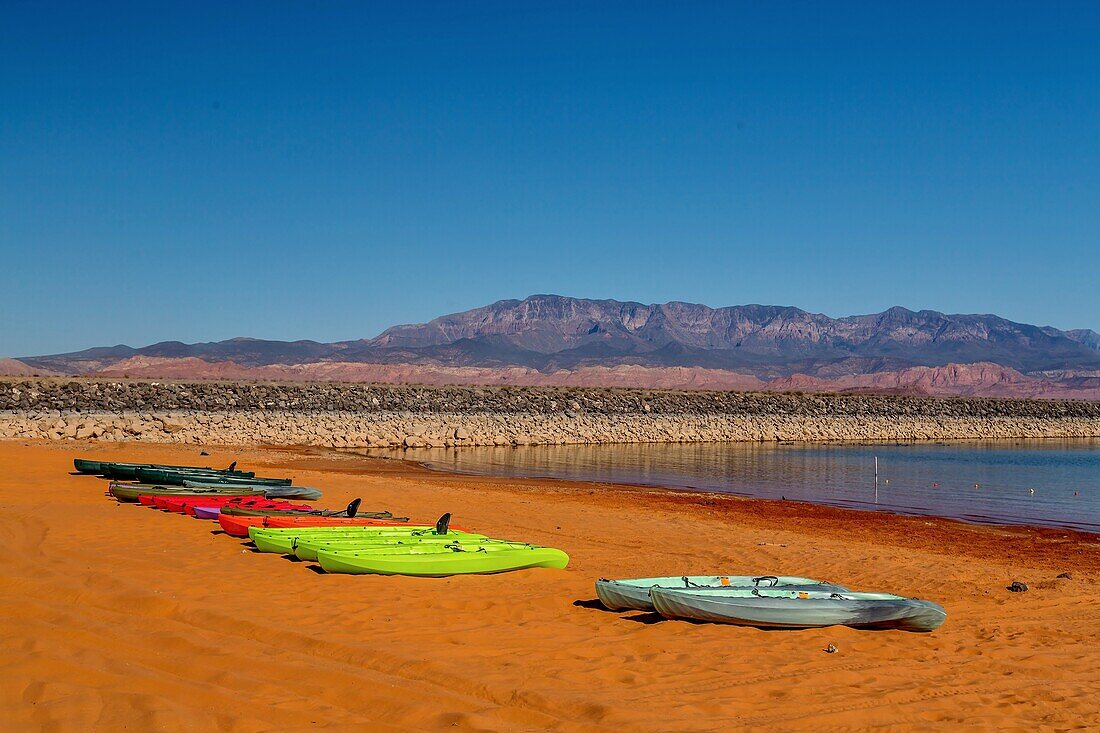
{"x": 126, "y": 493}
{"x": 177, "y": 478}
{"x": 307, "y": 549}
{"x": 114, "y": 469}
{"x": 789, "y": 611}
{"x": 303, "y": 493}
{"x": 442, "y": 564}
{"x": 633, "y": 594}
{"x": 237, "y": 526}
{"x": 283, "y": 542}
{"x": 128, "y": 472}
{"x": 186, "y": 504}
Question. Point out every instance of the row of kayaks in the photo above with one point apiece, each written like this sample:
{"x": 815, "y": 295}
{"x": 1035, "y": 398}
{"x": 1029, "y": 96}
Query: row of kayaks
{"x": 774, "y": 602}
{"x": 354, "y": 541}
{"x": 132, "y": 480}
{"x": 349, "y": 540}
{"x": 159, "y": 474}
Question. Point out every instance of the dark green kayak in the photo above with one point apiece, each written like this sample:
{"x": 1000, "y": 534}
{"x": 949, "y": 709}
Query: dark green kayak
{"x": 83, "y": 465}
{"x": 176, "y": 477}
{"x": 129, "y": 471}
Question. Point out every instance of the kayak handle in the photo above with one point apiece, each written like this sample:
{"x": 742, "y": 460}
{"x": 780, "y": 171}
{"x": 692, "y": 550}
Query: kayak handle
{"x": 774, "y": 580}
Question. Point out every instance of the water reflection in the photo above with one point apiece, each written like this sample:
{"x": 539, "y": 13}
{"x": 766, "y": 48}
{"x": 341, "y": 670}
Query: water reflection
{"x": 981, "y": 482}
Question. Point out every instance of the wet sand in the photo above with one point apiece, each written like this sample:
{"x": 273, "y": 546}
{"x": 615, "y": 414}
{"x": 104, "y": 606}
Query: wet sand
{"x": 123, "y": 618}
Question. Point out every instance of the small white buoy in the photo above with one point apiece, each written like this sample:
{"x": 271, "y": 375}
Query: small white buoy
{"x": 1031, "y": 491}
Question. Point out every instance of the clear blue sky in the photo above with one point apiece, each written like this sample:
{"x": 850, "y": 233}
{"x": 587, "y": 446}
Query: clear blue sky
{"x": 197, "y": 171}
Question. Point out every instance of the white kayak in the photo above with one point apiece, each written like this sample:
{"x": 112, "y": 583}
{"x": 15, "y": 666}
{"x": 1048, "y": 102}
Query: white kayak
{"x": 633, "y": 593}
{"x": 777, "y": 608}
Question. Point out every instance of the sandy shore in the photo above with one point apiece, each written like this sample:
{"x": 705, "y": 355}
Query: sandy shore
{"x": 123, "y": 618}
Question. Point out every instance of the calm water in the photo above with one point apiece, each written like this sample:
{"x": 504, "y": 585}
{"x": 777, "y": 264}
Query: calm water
{"x": 979, "y": 482}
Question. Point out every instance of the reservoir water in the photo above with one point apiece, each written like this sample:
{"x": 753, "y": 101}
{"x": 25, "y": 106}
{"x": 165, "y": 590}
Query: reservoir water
{"x": 1036, "y": 482}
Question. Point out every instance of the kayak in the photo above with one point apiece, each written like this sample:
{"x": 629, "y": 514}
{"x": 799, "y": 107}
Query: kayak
{"x": 211, "y": 510}
{"x": 303, "y": 510}
{"x": 287, "y": 522}
{"x": 436, "y": 562}
{"x": 775, "y": 608}
{"x": 176, "y": 477}
{"x": 85, "y": 466}
{"x": 131, "y": 473}
{"x": 633, "y": 593}
{"x": 182, "y": 502}
{"x": 203, "y": 483}
{"x": 306, "y": 548}
{"x": 284, "y": 540}
{"x": 159, "y": 501}
{"x": 240, "y": 511}
{"x": 239, "y": 526}
{"x": 93, "y": 468}
{"x": 150, "y": 500}
{"x": 305, "y": 493}
{"x": 186, "y": 504}
{"x": 130, "y": 493}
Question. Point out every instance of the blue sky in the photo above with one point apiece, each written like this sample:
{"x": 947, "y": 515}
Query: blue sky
{"x": 198, "y": 171}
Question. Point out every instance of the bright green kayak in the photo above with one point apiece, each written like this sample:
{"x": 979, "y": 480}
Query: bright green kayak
{"x": 282, "y": 541}
{"x": 306, "y": 549}
{"x": 436, "y": 562}
{"x": 131, "y": 492}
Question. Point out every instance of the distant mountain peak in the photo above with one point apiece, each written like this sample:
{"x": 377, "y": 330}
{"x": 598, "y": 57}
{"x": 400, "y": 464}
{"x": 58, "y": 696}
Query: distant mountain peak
{"x": 552, "y": 333}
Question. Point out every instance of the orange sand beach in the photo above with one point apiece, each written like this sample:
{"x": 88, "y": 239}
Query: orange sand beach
{"x": 118, "y": 617}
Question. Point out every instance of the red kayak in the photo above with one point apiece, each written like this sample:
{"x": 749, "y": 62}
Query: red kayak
{"x": 165, "y": 502}
{"x": 158, "y": 500}
{"x": 187, "y": 504}
{"x": 261, "y": 503}
{"x": 237, "y": 526}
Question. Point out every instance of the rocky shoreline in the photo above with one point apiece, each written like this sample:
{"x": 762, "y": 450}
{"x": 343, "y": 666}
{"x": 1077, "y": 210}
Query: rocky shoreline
{"x": 358, "y": 415}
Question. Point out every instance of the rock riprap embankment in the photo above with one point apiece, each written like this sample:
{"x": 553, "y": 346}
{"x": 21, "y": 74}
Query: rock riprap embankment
{"x": 355, "y": 415}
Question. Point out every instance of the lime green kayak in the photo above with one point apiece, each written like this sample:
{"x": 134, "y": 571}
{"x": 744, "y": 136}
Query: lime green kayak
{"x": 306, "y": 549}
{"x": 435, "y": 562}
{"x": 282, "y": 541}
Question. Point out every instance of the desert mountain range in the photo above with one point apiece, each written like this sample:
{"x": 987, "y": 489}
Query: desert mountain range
{"x": 557, "y": 340}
